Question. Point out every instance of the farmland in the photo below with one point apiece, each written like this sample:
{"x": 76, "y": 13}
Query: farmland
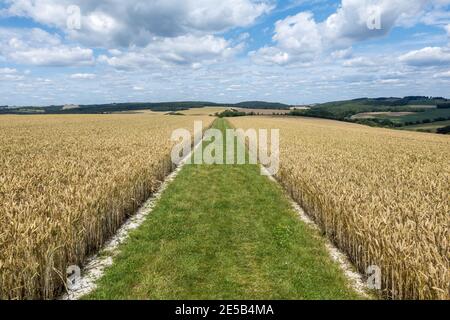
{"x": 217, "y": 159}
{"x": 380, "y": 195}
{"x": 203, "y": 111}
{"x": 428, "y": 127}
{"x": 407, "y": 118}
{"x": 224, "y": 232}
{"x": 138, "y": 107}
{"x": 382, "y": 112}
{"x": 67, "y": 183}
{"x": 264, "y": 111}
{"x": 373, "y": 115}
{"x": 431, "y": 115}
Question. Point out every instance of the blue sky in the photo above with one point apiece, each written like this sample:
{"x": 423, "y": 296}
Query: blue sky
{"x": 292, "y": 51}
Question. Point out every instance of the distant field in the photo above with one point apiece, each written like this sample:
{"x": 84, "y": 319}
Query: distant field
{"x": 206, "y": 111}
{"x": 373, "y": 115}
{"x": 432, "y": 115}
{"x": 381, "y": 195}
{"x": 422, "y": 106}
{"x": 381, "y": 112}
{"x": 264, "y": 111}
{"x": 429, "y": 127}
{"x": 30, "y": 111}
{"x": 409, "y": 118}
{"x": 149, "y": 112}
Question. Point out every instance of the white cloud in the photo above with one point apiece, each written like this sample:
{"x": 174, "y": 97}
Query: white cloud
{"x": 441, "y": 2}
{"x": 359, "y": 62}
{"x": 184, "y": 50}
{"x": 445, "y": 74}
{"x": 83, "y": 76}
{"x": 136, "y": 22}
{"x": 389, "y": 81}
{"x": 10, "y": 74}
{"x": 298, "y": 34}
{"x": 270, "y": 55}
{"x": 447, "y": 28}
{"x": 58, "y": 57}
{"x": 342, "y": 54}
{"x": 297, "y": 38}
{"x": 40, "y": 48}
{"x": 438, "y": 15}
{"x": 301, "y": 38}
{"x": 429, "y": 56}
{"x": 350, "y": 22}
{"x": 159, "y": 50}
{"x": 46, "y": 12}
{"x": 7, "y": 71}
{"x": 11, "y": 77}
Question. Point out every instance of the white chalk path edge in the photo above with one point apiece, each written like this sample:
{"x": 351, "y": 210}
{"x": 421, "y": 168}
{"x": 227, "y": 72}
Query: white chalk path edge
{"x": 96, "y": 265}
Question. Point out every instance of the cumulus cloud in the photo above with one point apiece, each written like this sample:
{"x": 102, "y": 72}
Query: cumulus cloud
{"x": 136, "y": 22}
{"x": 301, "y": 38}
{"x": 388, "y": 81}
{"x": 445, "y": 74}
{"x": 429, "y": 56}
{"x": 437, "y": 15}
{"x": 159, "y": 50}
{"x": 62, "y": 56}
{"x": 342, "y": 54}
{"x": 7, "y": 71}
{"x": 298, "y": 39}
{"x": 356, "y": 20}
{"x": 11, "y": 77}
{"x": 10, "y": 74}
{"x": 40, "y": 48}
{"x": 359, "y": 62}
{"x": 270, "y": 55}
{"x": 186, "y": 50}
{"x": 83, "y": 76}
{"x": 298, "y": 33}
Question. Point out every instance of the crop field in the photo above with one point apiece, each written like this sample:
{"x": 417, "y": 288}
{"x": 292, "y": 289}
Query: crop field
{"x": 224, "y": 232}
{"x": 268, "y": 112}
{"x": 203, "y": 111}
{"x": 67, "y": 183}
{"x": 372, "y": 115}
{"x": 428, "y": 127}
{"x": 432, "y": 115}
{"x": 382, "y": 196}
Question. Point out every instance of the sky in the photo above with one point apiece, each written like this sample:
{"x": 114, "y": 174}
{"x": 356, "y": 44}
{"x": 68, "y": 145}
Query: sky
{"x": 55, "y": 52}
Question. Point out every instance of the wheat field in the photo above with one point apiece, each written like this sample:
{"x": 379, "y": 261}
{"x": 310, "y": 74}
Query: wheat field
{"x": 67, "y": 183}
{"x": 382, "y": 196}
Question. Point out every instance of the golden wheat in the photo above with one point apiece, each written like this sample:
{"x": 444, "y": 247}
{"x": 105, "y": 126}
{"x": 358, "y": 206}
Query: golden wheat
{"x": 66, "y": 184}
{"x": 381, "y": 195}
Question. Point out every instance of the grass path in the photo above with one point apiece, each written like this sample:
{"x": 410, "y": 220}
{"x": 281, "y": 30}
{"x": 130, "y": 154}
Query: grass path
{"x": 223, "y": 232}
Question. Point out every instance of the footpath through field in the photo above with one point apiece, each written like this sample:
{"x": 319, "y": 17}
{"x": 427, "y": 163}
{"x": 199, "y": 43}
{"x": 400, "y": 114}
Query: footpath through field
{"x": 223, "y": 232}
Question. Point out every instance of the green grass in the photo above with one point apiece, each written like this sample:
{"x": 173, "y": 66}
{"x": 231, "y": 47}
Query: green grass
{"x": 223, "y": 232}
{"x": 432, "y": 115}
{"x": 428, "y": 127}
{"x": 345, "y": 110}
